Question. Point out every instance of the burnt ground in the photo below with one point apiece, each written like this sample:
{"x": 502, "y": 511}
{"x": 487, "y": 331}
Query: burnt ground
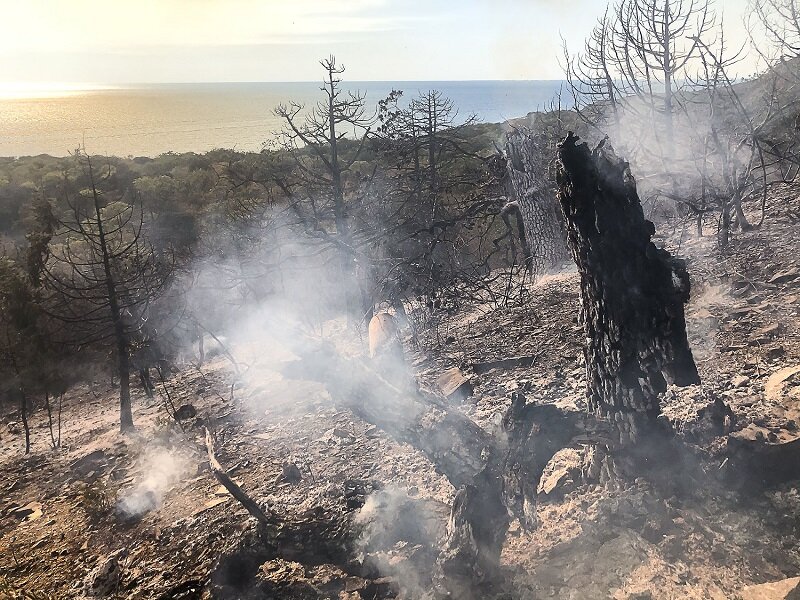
{"x": 145, "y": 508}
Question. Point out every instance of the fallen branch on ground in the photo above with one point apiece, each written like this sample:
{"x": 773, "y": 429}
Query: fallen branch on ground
{"x": 222, "y": 476}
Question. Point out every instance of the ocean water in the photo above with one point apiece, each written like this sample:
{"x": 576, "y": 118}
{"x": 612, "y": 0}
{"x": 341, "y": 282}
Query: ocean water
{"x": 153, "y": 119}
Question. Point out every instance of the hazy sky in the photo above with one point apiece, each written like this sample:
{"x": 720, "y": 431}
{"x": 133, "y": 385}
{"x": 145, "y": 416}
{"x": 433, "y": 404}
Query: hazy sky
{"x": 117, "y": 41}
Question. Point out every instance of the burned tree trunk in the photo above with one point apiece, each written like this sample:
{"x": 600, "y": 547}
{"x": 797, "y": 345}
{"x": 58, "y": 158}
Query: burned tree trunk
{"x": 495, "y": 475}
{"x": 532, "y": 191}
{"x": 632, "y": 292}
{"x": 454, "y": 444}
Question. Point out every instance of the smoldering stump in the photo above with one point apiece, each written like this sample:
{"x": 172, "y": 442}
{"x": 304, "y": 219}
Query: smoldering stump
{"x": 495, "y": 475}
{"x": 632, "y": 293}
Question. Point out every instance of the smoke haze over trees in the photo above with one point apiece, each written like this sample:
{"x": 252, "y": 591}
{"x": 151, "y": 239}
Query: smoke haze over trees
{"x": 419, "y": 232}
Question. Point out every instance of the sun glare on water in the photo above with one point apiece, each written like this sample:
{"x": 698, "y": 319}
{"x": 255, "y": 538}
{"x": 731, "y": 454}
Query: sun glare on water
{"x": 13, "y": 90}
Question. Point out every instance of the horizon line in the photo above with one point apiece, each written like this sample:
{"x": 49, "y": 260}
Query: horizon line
{"x": 105, "y": 84}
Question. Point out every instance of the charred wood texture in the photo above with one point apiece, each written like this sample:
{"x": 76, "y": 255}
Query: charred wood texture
{"x": 229, "y": 484}
{"x": 504, "y": 489}
{"x": 632, "y": 293}
{"x": 496, "y": 474}
{"x": 453, "y": 443}
{"x": 532, "y": 192}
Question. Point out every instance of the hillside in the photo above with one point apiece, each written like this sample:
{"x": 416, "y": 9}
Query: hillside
{"x": 359, "y": 514}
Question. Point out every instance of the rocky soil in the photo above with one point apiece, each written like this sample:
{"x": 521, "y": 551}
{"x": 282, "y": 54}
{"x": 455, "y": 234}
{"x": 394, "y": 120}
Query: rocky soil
{"x": 357, "y": 515}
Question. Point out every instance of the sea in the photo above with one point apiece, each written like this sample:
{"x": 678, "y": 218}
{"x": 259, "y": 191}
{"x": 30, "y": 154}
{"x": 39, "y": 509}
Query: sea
{"x": 149, "y": 120}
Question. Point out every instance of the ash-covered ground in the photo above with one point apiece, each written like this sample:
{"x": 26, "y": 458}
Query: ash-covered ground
{"x": 359, "y": 515}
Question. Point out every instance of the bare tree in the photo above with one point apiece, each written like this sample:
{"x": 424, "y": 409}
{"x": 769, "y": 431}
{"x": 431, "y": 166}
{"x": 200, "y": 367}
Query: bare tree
{"x": 655, "y": 42}
{"x": 779, "y": 21}
{"x": 322, "y": 191}
{"x": 103, "y": 274}
{"x": 594, "y": 79}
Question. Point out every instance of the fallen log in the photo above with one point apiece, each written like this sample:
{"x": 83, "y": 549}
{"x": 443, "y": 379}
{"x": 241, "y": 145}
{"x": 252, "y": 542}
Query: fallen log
{"x": 496, "y": 475}
{"x": 456, "y": 446}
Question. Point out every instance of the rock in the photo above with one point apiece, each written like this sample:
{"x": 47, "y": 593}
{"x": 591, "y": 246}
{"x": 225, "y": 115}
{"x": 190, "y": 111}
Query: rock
{"x": 773, "y": 389}
{"x": 186, "y": 411}
{"x": 104, "y": 579}
{"x": 760, "y": 456}
{"x": 765, "y": 334}
{"x": 290, "y": 474}
{"x": 785, "y": 276}
{"x": 341, "y": 433}
{"x": 787, "y": 589}
{"x": 93, "y": 462}
{"x": 740, "y": 381}
{"x": 775, "y": 352}
{"x": 29, "y": 512}
{"x": 454, "y": 385}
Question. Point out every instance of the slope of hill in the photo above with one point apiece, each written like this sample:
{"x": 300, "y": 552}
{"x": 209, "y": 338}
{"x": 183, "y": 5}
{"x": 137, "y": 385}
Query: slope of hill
{"x": 359, "y": 515}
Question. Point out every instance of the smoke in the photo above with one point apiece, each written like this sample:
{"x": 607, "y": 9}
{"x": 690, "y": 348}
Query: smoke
{"x": 703, "y": 318}
{"x": 161, "y": 470}
{"x": 399, "y": 537}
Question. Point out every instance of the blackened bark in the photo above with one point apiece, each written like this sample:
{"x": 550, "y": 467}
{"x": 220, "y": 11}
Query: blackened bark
{"x": 120, "y": 336}
{"x": 632, "y": 292}
{"x": 504, "y": 489}
{"x": 496, "y": 475}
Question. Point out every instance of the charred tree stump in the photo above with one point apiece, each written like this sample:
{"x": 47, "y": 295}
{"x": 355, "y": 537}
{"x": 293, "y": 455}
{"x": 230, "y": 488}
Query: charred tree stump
{"x": 632, "y": 293}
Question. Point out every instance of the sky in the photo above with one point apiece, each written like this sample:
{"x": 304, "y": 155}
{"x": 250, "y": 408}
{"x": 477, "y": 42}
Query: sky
{"x": 157, "y": 41}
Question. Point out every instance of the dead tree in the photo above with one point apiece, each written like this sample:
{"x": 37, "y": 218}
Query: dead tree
{"x": 102, "y": 274}
{"x": 632, "y": 292}
{"x": 496, "y": 474}
{"x": 779, "y": 22}
{"x": 593, "y": 78}
{"x": 530, "y": 184}
{"x": 321, "y": 192}
{"x": 655, "y": 42}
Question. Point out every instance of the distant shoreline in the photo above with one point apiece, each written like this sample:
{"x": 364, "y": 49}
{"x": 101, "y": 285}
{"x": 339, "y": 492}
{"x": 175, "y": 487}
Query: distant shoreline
{"x": 198, "y": 117}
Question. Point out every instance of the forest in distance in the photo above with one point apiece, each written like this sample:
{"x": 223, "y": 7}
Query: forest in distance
{"x": 402, "y": 353}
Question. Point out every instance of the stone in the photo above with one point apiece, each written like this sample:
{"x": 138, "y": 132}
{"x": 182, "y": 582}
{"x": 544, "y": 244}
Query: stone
{"x": 92, "y": 462}
{"x": 29, "y": 512}
{"x": 186, "y": 411}
{"x": 105, "y": 578}
{"x": 740, "y": 381}
{"x": 765, "y": 334}
{"x": 777, "y": 382}
{"x": 775, "y": 352}
{"x": 786, "y": 589}
{"x": 290, "y": 474}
